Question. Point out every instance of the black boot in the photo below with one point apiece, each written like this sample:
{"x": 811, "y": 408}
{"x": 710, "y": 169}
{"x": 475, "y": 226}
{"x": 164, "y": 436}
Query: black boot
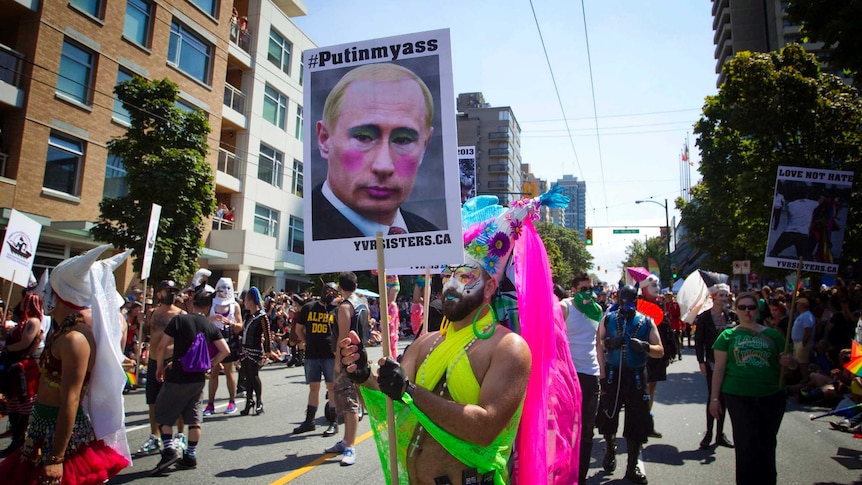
{"x": 707, "y": 438}
{"x": 259, "y": 409}
{"x": 633, "y": 473}
{"x": 249, "y": 404}
{"x": 308, "y": 424}
{"x": 332, "y": 417}
{"x": 609, "y": 463}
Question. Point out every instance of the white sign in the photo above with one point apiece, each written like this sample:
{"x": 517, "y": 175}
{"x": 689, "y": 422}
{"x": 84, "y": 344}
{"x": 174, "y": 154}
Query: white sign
{"x": 152, "y": 232}
{"x": 467, "y": 172}
{"x": 381, "y": 154}
{"x": 742, "y": 267}
{"x": 19, "y": 248}
{"x": 809, "y": 217}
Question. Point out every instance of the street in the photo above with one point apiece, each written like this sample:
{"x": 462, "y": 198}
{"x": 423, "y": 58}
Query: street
{"x": 261, "y": 449}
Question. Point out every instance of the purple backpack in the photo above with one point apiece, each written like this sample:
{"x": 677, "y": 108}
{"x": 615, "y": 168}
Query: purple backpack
{"x": 197, "y": 358}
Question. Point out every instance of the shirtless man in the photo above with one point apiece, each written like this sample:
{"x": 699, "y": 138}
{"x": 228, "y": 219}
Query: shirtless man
{"x": 500, "y": 363}
{"x": 155, "y": 325}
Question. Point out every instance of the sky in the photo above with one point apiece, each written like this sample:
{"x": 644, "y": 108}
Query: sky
{"x": 652, "y": 66}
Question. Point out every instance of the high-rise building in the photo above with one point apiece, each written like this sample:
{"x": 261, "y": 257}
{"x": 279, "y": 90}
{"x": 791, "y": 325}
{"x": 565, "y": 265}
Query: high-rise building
{"x": 495, "y": 133}
{"x": 238, "y": 61}
{"x": 757, "y": 26}
{"x": 574, "y": 216}
{"x": 534, "y": 187}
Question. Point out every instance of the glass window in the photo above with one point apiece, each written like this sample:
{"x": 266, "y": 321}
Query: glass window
{"x": 137, "y": 24}
{"x": 207, "y": 6}
{"x": 296, "y": 236}
{"x": 92, "y": 7}
{"x": 63, "y": 164}
{"x": 274, "y": 106}
{"x": 298, "y": 133}
{"x": 296, "y": 178}
{"x": 270, "y": 167}
{"x": 189, "y": 53}
{"x": 188, "y": 108}
{"x": 301, "y": 68}
{"x": 115, "y": 178}
{"x": 120, "y": 113}
{"x": 76, "y": 72}
{"x": 265, "y": 221}
{"x": 279, "y": 51}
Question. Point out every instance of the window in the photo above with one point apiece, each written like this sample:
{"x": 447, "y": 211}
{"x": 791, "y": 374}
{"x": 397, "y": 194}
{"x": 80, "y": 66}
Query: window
{"x": 301, "y": 68}
{"x": 115, "y": 178}
{"x": 207, "y": 6}
{"x": 188, "y": 108}
{"x": 63, "y": 164}
{"x": 137, "y": 24}
{"x": 120, "y": 113}
{"x": 265, "y": 221}
{"x": 298, "y": 133}
{"x": 296, "y": 236}
{"x": 76, "y": 73}
{"x": 189, "y": 53}
{"x": 270, "y": 167}
{"x": 279, "y": 51}
{"x": 92, "y": 7}
{"x": 274, "y": 106}
{"x": 296, "y": 178}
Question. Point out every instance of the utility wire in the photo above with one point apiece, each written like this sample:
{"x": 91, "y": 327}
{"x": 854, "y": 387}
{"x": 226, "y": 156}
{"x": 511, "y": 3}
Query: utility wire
{"x": 595, "y": 112}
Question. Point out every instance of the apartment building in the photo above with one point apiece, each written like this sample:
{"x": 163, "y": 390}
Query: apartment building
{"x": 573, "y": 216}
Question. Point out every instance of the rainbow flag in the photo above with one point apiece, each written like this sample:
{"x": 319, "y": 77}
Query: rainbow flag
{"x": 855, "y": 364}
{"x": 652, "y": 266}
{"x": 131, "y": 380}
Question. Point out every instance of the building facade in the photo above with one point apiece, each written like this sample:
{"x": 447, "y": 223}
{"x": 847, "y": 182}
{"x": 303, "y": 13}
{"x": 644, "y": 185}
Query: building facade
{"x": 574, "y": 216}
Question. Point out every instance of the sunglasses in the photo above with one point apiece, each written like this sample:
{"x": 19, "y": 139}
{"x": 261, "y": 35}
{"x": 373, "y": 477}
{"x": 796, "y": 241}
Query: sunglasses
{"x": 750, "y": 308}
{"x": 585, "y": 288}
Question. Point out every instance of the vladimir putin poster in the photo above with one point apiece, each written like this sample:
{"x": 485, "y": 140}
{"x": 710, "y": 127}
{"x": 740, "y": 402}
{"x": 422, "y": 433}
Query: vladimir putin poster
{"x": 380, "y": 154}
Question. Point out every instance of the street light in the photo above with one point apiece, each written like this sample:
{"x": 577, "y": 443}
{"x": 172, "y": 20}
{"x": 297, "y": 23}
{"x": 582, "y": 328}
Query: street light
{"x": 667, "y": 235}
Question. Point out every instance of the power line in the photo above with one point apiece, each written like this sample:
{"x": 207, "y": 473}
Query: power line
{"x": 632, "y": 115}
{"x": 595, "y": 110}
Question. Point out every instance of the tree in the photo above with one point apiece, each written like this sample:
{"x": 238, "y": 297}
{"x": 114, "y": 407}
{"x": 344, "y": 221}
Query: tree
{"x": 164, "y": 153}
{"x": 837, "y": 24}
{"x": 774, "y": 109}
{"x": 567, "y": 253}
{"x": 638, "y": 251}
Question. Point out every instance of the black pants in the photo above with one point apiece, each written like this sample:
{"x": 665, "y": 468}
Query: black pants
{"x": 250, "y": 375}
{"x": 589, "y": 406}
{"x": 755, "y": 429}
{"x": 709, "y": 418}
{"x": 634, "y": 395}
{"x": 796, "y": 239}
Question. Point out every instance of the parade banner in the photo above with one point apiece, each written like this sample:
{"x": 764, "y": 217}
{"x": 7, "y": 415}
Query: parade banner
{"x": 381, "y": 154}
{"x": 19, "y": 248}
{"x": 467, "y": 171}
{"x": 152, "y": 232}
{"x": 809, "y": 217}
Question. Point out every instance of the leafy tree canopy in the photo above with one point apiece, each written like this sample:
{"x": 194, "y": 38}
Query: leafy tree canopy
{"x": 836, "y": 23}
{"x": 567, "y": 253}
{"x": 774, "y": 109}
{"x": 164, "y": 153}
{"x": 638, "y": 251}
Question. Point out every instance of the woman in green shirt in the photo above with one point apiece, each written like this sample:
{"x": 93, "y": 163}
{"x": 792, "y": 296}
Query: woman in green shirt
{"x": 748, "y": 361}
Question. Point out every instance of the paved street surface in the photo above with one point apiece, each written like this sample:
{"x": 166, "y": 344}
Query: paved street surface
{"x": 261, "y": 449}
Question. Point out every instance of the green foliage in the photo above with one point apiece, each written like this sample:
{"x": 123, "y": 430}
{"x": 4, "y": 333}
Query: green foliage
{"x": 164, "y": 152}
{"x": 638, "y": 251}
{"x": 836, "y": 23}
{"x": 774, "y": 109}
{"x": 567, "y": 253}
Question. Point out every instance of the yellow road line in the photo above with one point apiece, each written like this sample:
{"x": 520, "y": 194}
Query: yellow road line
{"x": 307, "y": 468}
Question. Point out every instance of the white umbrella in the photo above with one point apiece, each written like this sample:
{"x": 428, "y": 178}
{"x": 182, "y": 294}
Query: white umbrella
{"x": 367, "y": 293}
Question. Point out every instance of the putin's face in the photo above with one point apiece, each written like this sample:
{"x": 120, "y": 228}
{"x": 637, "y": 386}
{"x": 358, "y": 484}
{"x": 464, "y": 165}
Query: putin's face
{"x": 376, "y": 146}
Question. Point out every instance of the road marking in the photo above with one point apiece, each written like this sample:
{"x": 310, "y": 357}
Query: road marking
{"x": 319, "y": 461}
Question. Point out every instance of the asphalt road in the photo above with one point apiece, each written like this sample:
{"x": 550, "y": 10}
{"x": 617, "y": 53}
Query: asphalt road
{"x": 262, "y": 450}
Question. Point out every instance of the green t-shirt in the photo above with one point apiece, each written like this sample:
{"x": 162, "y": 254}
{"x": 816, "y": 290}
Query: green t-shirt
{"x": 752, "y": 361}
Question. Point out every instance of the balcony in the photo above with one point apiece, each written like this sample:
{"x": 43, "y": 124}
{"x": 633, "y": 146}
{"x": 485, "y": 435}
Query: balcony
{"x": 234, "y": 98}
{"x": 499, "y": 152}
{"x": 498, "y": 184}
{"x": 499, "y": 135}
{"x": 227, "y": 172}
{"x": 11, "y": 63}
{"x": 240, "y": 36}
{"x": 497, "y": 168}
{"x": 222, "y": 224}
{"x": 244, "y": 247}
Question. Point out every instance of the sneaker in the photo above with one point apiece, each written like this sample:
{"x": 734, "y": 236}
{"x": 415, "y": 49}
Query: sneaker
{"x": 210, "y": 409}
{"x": 188, "y": 462}
{"x": 169, "y": 457}
{"x": 180, "y": 442}
{"x": 337, "y": 447}
{"x": 231, "y": 408}
{"x": 348, "y": 457}
{"x": 152, "y": 446}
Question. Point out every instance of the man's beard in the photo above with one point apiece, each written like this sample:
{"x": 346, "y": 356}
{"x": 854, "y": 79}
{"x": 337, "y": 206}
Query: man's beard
{"x": 458, "y": 309}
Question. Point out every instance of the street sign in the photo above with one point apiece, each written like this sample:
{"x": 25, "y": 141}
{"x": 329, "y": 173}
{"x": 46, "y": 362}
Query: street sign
{"x": 742, "y": 267}
{"x": 627, "y": 231}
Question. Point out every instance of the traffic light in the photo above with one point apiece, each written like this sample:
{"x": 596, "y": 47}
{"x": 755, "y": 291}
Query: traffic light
{"x": 588, "y": 236}
{"x": 673, "y": 272}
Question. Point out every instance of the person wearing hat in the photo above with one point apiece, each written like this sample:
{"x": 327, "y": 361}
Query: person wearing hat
{"x": 802, "y": 334}
{"x": 225, "y": 314}
{"x": 154, "y": 327}
{"x": 710, "y": 323}
{"x": 77, "y": 433}
{"x": 316, "y": 326}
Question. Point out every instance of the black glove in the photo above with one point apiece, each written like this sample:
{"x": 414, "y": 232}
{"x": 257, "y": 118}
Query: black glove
{"x": 638, "y": 345}
{"x": 363, "y": 370}
{"x": 392, "y": 380}
{"x": 613, "y": 343}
